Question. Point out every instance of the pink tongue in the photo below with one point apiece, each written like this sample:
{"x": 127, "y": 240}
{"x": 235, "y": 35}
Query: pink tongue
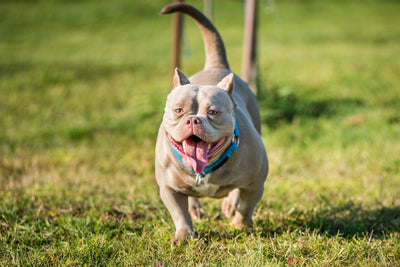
{"x": 196, "y": 154}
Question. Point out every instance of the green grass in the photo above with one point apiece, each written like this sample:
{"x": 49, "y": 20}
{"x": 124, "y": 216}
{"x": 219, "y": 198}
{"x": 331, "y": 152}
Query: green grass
{"x": 82, "y": 89}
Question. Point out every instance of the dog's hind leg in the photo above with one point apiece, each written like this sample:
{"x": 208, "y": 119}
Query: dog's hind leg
{"x": 230, "y": 203}
{"x": 195, "y": 208}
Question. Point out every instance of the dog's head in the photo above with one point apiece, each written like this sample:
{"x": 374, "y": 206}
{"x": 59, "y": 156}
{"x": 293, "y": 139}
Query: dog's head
{"x": 199, "y": 120}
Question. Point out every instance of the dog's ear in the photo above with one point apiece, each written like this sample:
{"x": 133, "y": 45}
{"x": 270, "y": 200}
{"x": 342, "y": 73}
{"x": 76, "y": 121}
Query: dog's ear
{"x": 179, "y": 79}
{"x": 227, "y": 83}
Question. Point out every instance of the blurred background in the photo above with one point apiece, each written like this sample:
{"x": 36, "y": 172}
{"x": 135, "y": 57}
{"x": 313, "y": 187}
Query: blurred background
{"x": 82, "y": 91}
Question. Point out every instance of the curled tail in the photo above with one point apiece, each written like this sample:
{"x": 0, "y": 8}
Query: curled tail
{"x": 215, "y": 49}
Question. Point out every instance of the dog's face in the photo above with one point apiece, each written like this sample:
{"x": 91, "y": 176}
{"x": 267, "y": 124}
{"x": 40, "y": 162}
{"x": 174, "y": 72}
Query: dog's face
{"x": 199, "y": 120}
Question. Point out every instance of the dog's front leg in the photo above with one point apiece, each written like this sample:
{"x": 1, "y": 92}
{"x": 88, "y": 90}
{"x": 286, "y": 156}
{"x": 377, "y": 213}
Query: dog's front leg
{"x": 177, "y": 205}
{"x": 248, "y": 200}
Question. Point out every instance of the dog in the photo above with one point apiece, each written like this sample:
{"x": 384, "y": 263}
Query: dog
{"x": 209, "y": 143}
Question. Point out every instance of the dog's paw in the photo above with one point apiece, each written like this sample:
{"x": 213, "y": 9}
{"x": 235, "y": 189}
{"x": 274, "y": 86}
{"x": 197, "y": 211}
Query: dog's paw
{"x": 239, "y": 222}
{"x": 195, "y": 209}
{"x": 183, "y": 233}
{"x": 227, "y": 208}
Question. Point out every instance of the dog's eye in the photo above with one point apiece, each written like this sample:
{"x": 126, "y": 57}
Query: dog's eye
{"x": 212, "y": 112}
{"x": 178, "y": 110}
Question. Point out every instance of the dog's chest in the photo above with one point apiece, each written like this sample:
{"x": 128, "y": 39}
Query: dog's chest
{"x": 205, "y": 189}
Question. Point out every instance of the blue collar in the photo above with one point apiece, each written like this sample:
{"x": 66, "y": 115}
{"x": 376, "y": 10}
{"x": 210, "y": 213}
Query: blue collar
{"x": 220, "y": 161}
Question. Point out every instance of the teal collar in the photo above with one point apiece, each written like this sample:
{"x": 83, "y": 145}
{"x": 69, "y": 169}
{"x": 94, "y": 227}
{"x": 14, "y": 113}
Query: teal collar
{"x": 220, "y": 161}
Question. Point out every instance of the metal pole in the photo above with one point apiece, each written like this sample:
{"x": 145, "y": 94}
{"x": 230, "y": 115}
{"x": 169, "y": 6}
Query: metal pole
{"x": 249, "y": 59}
{"x": 177, "y": 37}
{"x": 208, "y": 9}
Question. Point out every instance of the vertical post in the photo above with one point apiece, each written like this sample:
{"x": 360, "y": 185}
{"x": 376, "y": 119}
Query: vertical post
{"x": 249, "y": 59}
{"x": 208, "y": 9}
{"x": 177, "y": 37}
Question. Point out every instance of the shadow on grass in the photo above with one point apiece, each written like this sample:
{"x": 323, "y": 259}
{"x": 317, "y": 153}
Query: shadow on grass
{"x": 347, "y": 220}
{"x": 352, "y": 220}
{"x": 279, "y": 106}
{"x": 62, "y": 73}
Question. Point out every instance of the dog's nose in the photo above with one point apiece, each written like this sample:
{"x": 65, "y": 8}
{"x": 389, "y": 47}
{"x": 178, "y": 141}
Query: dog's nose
{"x": 193, "y": 121}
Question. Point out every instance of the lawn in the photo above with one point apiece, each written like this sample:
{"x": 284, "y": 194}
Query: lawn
{"x": 82, "y": 89}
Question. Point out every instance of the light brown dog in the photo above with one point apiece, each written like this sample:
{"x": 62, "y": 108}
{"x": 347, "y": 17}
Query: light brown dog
{"x": 209, "y": 142}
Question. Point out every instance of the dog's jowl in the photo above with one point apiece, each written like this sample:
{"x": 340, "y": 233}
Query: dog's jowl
{"x": 209, "y": 142}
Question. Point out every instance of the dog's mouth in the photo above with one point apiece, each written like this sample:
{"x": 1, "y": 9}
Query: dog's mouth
{"x": 195, "y": 152}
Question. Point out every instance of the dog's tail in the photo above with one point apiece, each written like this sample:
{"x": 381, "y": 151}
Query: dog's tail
{"x": 215, "y": 49}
